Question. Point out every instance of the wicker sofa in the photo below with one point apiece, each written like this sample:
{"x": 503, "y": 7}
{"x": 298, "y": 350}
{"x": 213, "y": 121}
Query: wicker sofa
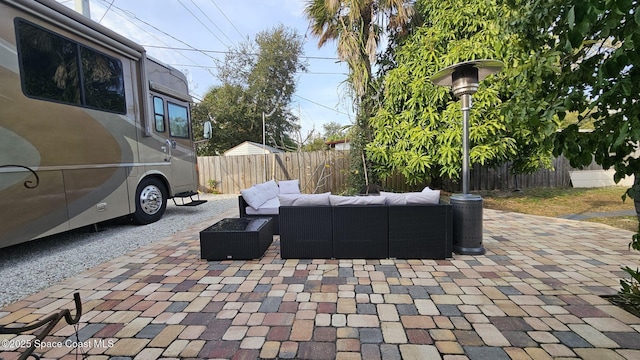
{"x": 242, "y": 207}
{"x": 376, "y": 230}
{"x": 261, "y": 200}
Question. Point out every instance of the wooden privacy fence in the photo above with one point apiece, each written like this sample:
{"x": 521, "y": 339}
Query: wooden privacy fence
{"x": 501, "y": 178}
{"x": 318, "y": 171}
{"x": 325, "y": 171}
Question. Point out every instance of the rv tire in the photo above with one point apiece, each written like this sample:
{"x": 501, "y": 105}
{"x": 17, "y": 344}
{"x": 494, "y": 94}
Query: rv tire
{"x": 151, "y": 201}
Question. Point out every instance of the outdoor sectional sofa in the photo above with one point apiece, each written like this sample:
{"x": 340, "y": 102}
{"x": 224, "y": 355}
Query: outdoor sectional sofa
{"x": 389, "y": 225}
{"x": 367, "y": 231}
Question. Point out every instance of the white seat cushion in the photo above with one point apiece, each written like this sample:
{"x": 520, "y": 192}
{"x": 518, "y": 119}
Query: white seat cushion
{"x": 270, "y": 207}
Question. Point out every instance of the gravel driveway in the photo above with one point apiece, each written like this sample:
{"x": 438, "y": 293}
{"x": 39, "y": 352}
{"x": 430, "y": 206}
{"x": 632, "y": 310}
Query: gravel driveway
{"x": 28, "y": 268}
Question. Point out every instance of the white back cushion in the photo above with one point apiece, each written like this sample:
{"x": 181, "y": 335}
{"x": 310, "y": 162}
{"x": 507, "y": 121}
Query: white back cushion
{"x": 394, "y": 198}
{"x": 253, "y": 197}
{"x": 356, "y": 200}
{"x": 269, "y": 188}
{"x": 424, "y": 197}
{"x": 258, "y": 194}
{"x": 304, "y": 199}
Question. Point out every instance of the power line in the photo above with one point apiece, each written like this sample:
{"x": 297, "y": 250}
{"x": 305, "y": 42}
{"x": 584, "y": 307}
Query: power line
{"x": 227, "y": 52}
{"x": 225, "y": 16}
{"x": 211, "y": 21}
{"x": 321, "y": 105}
{"x": 133, "y": 15}
{"x": 297, "y": 72}
{"x": 127, "y": 16}
{"x": 201, "y": 23}
{"x": 106, "y": 11}
{"x": 308, "y": 120}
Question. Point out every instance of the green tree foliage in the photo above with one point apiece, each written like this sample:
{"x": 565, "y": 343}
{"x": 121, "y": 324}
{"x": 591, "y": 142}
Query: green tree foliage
{"x": 314, "y": 143}
{"x": 331, "y": 131}
{"x": 334, "y": 131}
{"x": 418, "y": 127}
{"x": 357, "y": 27}
{"x": 597, "y": 78}
{"x": 234, "y": 118}
{"x": 257, "y": 77}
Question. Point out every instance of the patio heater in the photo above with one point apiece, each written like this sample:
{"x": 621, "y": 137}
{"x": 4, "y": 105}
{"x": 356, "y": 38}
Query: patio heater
{"x": 463, "y": 78}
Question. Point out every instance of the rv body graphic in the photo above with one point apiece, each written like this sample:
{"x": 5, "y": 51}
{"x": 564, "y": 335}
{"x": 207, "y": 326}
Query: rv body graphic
{"x": 90, "y": 128}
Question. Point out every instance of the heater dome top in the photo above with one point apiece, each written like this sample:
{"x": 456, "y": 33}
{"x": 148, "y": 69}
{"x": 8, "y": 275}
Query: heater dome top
{"x": 484, "y": 68}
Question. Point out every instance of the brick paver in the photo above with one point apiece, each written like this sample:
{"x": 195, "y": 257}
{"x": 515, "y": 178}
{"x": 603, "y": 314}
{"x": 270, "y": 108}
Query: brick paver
{"x": 536, "y": 294}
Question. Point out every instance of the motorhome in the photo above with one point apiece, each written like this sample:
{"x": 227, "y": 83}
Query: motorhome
{"x": 91, "y": 128}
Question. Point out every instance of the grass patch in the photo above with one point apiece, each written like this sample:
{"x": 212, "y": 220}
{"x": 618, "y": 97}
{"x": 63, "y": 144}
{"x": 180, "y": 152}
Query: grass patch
{"x": 622, "y": 222}
{"x": 555, "y": 202}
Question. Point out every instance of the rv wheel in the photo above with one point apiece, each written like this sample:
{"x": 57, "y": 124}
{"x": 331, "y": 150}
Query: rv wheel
{"x": 151, "y": 201}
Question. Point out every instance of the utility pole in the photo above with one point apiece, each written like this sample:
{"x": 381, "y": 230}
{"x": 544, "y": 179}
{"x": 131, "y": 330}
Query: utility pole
{"x": 264, "y": 132}
{"x": 264, "y": 135}
{"x": 82, "y": 7}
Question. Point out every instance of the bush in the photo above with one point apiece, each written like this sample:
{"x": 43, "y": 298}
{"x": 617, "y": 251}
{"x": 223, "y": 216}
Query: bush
{"x": 629, "y": 295}
{"x": 213, "y": 186}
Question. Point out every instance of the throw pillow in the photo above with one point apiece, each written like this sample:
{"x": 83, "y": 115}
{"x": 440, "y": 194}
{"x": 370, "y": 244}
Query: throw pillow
{"x": 289, "y": 186}
{"x": 254, "y": 197}
{"x": 269, "y": 189}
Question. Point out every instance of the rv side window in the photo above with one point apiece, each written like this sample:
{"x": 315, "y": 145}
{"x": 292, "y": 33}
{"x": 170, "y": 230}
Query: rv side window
{"x": 178, "y": 123}
{"x": 49, "y": 65}
{"x": 58, "y": 69}
{"x": 158, "y": 109}
{"x": 103, "y": 81}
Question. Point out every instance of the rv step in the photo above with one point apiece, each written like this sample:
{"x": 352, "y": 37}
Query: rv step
{"x": 190, "y": 195}
{"x": 185, "y": 194}
{"x": 191, "y": 203}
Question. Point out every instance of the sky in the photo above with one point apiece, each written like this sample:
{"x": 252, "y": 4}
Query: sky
{"x": 191, "y": 34}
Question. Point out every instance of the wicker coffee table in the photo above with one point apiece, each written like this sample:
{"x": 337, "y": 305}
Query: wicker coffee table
{"x": 236, "y": 238}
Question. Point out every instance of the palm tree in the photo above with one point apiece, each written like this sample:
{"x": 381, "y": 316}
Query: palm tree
{"x": 357, "y": 26}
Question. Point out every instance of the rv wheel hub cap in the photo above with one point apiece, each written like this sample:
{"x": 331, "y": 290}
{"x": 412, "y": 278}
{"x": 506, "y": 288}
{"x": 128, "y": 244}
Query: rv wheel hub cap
{"x": 150, "y": 200}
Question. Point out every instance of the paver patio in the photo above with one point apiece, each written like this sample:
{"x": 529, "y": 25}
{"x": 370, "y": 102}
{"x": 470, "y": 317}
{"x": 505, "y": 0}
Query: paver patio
{"x": 536, "y": 294}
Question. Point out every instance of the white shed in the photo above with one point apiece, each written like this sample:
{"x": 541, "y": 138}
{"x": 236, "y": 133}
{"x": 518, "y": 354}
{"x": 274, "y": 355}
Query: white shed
{"x": 251, "y": 148}
{"x": 342, "y": 144}
{"x": 597, "y": 178}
